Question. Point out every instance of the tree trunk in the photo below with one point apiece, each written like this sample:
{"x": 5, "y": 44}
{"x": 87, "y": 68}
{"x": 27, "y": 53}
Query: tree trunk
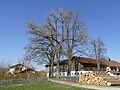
{"x": 51, "y": 70}
{"x": 51, "y": 67}
{"x": 98, "y": 65}
{"x": 58, "y": 71}
{"x": 69, "y": 66}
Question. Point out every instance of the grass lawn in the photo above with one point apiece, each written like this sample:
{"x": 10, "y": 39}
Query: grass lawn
{"x": 42, "y": 86}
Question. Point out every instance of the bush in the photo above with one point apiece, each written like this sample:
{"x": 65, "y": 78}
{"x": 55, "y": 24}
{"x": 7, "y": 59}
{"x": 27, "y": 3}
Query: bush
{"x": 22, "y": 78}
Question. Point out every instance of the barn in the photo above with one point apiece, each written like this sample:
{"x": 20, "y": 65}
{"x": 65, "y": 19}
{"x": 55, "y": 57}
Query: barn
{"x": 80, "y": 65}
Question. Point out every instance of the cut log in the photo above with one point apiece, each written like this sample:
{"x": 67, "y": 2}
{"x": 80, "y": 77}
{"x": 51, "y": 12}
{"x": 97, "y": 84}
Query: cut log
{"x": 96, "y": 79}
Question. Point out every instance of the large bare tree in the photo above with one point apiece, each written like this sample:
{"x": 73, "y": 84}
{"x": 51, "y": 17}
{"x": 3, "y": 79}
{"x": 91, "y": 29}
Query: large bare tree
{"x": 61, "y": 34}
{"x": 75, "y": 36}
{"x": 40, "y": 48}
{"x": 98, "y": 50}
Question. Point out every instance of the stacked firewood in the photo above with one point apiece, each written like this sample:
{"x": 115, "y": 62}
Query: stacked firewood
{"x": 96, "y": 79}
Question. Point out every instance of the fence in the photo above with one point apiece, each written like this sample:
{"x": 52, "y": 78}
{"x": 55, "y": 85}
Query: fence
{"x": 72, "y": 79}
{"x": 23, "y": 81}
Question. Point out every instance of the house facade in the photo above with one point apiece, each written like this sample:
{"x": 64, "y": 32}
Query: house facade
{"x": 20, "y": 68}
{"x": 80, "y": 65}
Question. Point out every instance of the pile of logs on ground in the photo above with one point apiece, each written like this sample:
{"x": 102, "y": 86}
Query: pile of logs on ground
{"x": 98, "y": 79}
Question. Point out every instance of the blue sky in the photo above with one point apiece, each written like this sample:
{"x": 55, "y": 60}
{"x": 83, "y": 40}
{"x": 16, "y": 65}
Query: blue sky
{"x": 102, "y": 18}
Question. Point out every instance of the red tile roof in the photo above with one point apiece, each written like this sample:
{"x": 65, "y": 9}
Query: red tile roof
{"x": 111, "y": 63}
{"x": 87, "y": 60}
{"x": 84, "y": 60}
{"x": 17, "y": 65}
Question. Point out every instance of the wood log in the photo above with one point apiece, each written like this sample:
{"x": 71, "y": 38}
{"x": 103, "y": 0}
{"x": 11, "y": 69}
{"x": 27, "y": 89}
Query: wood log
{"x": 108, "y": 84}
{"x": 93, "y": 78}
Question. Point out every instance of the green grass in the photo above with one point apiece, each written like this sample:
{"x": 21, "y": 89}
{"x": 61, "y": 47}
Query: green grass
{"x": 42, "y": 86}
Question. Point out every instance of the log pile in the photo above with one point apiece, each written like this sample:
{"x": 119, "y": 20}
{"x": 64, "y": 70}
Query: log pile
{"x": 97, "y": 79}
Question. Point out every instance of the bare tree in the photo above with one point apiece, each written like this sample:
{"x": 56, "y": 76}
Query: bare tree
{"x": 98, "y": 51}
{"x": 61, "y": 34}
{"x": 72, "y": 37}
{"x": 75, "y": 36}
{"x": 48, "y": 34}
{"x": 40, "y": 48}
{"x": 4, "y": 66}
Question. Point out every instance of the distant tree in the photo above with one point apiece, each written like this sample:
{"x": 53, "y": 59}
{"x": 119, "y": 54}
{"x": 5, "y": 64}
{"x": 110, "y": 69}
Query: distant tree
{"x": 98, "y": 50}
{"x": 4, "y": 66}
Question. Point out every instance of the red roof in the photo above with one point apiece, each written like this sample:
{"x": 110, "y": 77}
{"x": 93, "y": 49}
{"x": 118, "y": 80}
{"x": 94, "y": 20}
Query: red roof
{"x": 17, "y": 65}
{"x": 87, "y": 60}
{"x": 84, "y": 60}
{"x": 111, "y": 63}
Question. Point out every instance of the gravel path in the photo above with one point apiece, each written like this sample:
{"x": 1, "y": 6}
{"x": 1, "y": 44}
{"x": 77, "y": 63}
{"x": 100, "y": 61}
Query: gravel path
{"x": 85, "y": 86}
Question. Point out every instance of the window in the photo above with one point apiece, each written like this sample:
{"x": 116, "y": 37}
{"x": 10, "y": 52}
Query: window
{"x": 20, "y": 68}
{"x": 119, "y": 68}
{"x": 63, "y": 74}
{"x": 16, "y": 68}
{"x": 66, "y": 67}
